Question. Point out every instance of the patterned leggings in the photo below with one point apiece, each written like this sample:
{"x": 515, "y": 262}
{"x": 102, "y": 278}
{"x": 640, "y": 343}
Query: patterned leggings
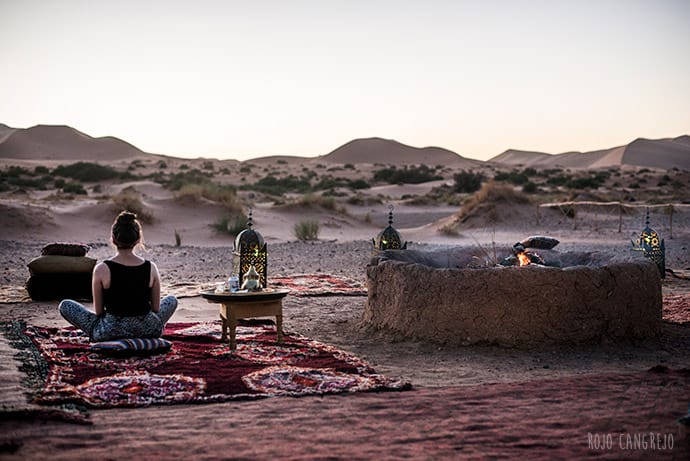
{"x": 108, "y": 326}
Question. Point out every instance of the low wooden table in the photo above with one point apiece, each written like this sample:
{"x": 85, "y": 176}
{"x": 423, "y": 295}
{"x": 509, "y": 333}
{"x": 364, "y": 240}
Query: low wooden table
{"x": 238, "y": 305}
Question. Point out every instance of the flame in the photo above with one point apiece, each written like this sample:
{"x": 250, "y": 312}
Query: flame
{"x": 523, "y": 258}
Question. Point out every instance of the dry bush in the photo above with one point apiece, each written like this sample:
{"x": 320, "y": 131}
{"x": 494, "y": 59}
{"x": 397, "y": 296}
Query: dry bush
{"x": 130, "y": 200}
{"x": 307, "y": 230}
{"x": 309, "y": 200}
{"x": 223, "y": 195}
{"x": 485, "y": 203}
{"x": 491, "y": 193}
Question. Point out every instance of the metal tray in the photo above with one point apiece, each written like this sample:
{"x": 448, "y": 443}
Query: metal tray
{"x": 267, "y": 294}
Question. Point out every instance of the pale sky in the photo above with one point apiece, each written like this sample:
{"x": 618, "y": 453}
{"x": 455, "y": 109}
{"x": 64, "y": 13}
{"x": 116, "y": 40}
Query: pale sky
{"x": 242, "y": 79}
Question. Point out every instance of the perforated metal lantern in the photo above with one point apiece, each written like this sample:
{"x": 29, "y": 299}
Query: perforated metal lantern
{"x": 389, "y": 238}
{"x": 652, "y": 246}
{"x": 250, "y": 249}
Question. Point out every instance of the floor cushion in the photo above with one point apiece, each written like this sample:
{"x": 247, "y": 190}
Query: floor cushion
{"x": 50, "y": 287}
{"x": 58, "y": 264}
{"x": 132, "y": 346}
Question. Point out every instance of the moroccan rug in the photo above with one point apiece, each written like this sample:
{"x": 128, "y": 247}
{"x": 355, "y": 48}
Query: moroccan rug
{"x": 319, "y": 285}
{"x": 197, "y": 369}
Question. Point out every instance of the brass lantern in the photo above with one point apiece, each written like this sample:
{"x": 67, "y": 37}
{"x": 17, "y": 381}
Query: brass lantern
{"x": 250, "y": 250}
{"x": 652, "y": 246}
{"x": 389, "y": 238}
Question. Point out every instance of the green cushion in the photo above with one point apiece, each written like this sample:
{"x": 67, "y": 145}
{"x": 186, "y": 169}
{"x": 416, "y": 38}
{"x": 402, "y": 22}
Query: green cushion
{"x": 58, "y": 264}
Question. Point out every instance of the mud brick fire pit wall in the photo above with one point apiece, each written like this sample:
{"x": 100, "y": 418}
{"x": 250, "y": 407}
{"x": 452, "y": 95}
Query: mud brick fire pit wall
{"x": 576, "y": 298}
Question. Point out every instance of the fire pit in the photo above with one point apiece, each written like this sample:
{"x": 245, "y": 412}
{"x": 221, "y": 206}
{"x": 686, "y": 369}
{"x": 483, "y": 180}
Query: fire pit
{"x": 451, "y": 296}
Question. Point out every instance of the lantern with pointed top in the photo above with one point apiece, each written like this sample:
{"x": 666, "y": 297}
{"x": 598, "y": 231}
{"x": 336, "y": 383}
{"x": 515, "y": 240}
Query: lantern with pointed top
{"x": 652, "y": 246}
{"x": 250, "y": 250}
{"x": 389, "y": 238}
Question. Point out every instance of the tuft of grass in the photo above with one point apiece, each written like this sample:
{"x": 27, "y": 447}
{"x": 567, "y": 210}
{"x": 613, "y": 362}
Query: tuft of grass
{"x": 130, "y": 200}
{"x": 223, "y": 195}
{"x": 230, "y": 224}
{"x": 178, "y": 239}
{"x": 307, "y": 230}
{"x": 309, "y": 200}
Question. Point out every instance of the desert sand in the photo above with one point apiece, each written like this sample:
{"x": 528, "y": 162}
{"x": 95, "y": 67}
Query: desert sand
{"x": 472, "y": 402}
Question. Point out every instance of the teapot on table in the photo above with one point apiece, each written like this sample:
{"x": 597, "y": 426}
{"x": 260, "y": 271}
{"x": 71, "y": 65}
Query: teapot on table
{"x": 251, "y": 280}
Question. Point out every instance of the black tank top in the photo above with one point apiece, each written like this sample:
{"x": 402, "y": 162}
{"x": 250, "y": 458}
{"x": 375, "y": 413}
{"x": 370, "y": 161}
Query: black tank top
{"x": 129, "y": 293}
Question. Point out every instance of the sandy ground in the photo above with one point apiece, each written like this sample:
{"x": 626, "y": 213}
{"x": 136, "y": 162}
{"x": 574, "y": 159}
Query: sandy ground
{"x": 455, "y": 388}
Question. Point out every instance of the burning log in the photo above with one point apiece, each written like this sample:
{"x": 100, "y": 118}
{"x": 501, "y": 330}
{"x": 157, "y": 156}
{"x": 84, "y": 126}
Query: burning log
{"x": 522, "y": 256}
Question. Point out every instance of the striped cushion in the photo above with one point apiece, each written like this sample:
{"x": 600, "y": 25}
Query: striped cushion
{"x": 132, "y": 346}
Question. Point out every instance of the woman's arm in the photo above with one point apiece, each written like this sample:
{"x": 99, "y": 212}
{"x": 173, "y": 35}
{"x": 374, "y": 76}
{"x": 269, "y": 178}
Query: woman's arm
{"x": 155, "y": 288}
{"x": 101, "y": 277}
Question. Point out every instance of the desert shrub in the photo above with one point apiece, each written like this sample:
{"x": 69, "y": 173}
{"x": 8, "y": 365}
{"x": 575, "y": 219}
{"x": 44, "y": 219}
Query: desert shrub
{"x": 333, "y": 193}
{"x": 178, "y": 239}
{"x": 162, "y": 164}
{"x": 87, "y": 172}
{"x": 178, "y": 180}
{"x": 307, "y": 230}
{"x": 310, "y": 200}
{"x": 449, "y": 230}
{"x": 17, "y": 171}
{"x": 18, "y": 177}
{"x": 467, "y": 181}
{"x": 74, "y": 188}
{"x": 224, "y": 195}
{"x": 130, "y": 200}
{"x": 225, "y": 170}
{"x": 329, "y": 182}
{"x": 406, "y": 175}
{"x": 245, "y": 169}
{"x": 231, "y": 224}
{"x": 490, "y": 194}
{"x": 363, "y": 200}
{"x": 349, "y": 166}
{"x": 278, "y": 186}
{"x": 59, "y": 183}
{"x": 582, "y": 183}
{"x": 513, "y": 177}
{"x": 529, "y": 188}
{"x": 41, "y": 170}
{"x": 207, "y": 165}
{"x": 557, "y": 180}
{"x": 184, "y": 166}
{"x": 281, "y": 162}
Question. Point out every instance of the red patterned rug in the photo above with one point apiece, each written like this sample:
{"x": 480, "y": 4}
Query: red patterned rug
{"x": 197, "y": 369}
{"x": 319, "y": 285}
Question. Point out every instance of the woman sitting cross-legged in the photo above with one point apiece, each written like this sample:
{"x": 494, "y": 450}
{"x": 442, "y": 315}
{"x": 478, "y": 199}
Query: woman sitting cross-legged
{"x": 126, "y": 292}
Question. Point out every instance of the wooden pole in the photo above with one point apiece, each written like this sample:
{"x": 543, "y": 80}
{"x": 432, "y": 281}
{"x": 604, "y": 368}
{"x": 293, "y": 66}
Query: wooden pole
{"x": 620, "y": 217}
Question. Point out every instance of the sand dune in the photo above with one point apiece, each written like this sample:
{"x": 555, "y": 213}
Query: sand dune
{"x": 653, "y": 153}
{"x": 62, "y": 143}
{"x": 5, "y": 132}
{"x": 388, "y": 151}
{"x": 55, "y": 143}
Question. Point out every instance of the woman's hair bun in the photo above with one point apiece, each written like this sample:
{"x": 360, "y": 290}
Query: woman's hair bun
{"x": 126, "y": 230}
{"x": 126, "y": 217}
